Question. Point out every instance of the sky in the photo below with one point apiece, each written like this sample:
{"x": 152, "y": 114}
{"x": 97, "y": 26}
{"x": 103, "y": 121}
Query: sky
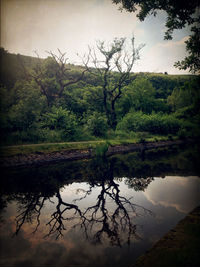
{"x": 72, "y": 25}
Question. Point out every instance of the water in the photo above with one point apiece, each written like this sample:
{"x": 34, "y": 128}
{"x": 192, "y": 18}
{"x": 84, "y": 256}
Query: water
{"x": 100, "y": 212}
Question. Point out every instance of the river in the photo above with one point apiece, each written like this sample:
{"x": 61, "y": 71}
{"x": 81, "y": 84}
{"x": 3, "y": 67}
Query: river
{"x": 97, "y": 212}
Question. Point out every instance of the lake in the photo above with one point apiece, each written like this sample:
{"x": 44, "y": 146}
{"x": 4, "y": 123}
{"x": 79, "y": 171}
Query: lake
{"x": 97, "y": 212}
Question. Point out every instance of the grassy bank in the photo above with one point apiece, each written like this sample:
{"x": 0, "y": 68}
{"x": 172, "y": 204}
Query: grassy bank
{"x": 180, "y": 247}
{"x": 26, "y": 149}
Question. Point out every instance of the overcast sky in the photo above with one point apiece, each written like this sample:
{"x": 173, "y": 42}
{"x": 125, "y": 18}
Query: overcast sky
{"x": 72, "y": 25}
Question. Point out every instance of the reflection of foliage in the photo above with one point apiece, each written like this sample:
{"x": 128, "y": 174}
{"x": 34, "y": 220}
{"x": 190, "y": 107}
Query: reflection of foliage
{"x": 139, "y": 184}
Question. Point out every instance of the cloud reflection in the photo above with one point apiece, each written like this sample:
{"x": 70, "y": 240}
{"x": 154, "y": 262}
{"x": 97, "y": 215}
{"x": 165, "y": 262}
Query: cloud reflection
{"x": 181, "y": 193}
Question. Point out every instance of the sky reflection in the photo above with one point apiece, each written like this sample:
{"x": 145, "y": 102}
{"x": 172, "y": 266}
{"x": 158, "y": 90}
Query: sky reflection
{"x": 181, "y": 193}
{"x": 167, "y": 198}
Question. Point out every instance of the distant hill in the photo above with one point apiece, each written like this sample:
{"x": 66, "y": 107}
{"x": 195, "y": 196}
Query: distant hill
{"x": 12, "y": 69}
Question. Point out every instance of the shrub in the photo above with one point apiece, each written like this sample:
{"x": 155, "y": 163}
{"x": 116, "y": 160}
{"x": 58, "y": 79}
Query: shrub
{"x": 121, "y": 134}
{"x": 155, "y": 123}
{"x": 97, "y": 124}
{"x": 101, "y": 149}
{"x": 61, "y": 122}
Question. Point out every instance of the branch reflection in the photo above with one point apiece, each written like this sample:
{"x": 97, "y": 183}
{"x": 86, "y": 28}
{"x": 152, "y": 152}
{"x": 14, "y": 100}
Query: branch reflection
{"x": 29, "y": 210}
{"x": 109, "y": 219}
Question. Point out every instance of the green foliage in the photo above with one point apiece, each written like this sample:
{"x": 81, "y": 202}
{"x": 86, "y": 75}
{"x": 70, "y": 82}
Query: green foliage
{"x": 27, "y": 109}
{"x": 101, "y": 149}
{"x": 62, "y": 122}
{"x": 139, "y": 95}
{"x": 93, "y": 98}
{"x": 143, "y": 107}
{"x": 121, "y": 134}
{"x": 192, "y": 61}
{"x": 154, "y": 123}
{"x": 179, "y": 15}
{"x": 185, "y": 96}
{"x": 20, "y": 111}
{"x": 96, "y": 124}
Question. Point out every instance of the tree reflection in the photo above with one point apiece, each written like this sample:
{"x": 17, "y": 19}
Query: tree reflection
{"x": 58, "y": 218}
{"x": 101, "y": 221}
{"x": 112, "y": 215}
{"x": 139, "y": 184}
{"x": 29, "y": 210}
{"x": 114, "y": 223}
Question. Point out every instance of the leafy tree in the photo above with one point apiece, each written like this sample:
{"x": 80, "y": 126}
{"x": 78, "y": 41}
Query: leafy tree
{"x": 112, "y": 57}
{"x": 192, "y": 61}
{"x": 179, "y": 14}
{"x": 20, "y": 111}
{"x": 139, "y": 95}
{"x": 93, "y": 97}
{"x": 27, "y": 108}
{"x": 164, "y": 84}
{"x": 82, "y": 98}
{"x": 186, "y": 95}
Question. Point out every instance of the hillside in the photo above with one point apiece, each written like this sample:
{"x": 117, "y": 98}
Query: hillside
{"x": 12, "y": 69}
{"x": 43, "y": 101}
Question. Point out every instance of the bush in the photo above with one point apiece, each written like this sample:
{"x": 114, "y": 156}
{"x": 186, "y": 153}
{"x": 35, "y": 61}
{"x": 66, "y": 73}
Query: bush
{"x": 155, "y": 123}
{"x": 120, "y": 134}
{"x": 61, "y": 123}
{"x": 97, "y": 124}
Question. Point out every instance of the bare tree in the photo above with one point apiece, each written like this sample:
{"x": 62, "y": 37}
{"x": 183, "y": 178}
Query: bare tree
{"x": 114, "y": 70}
{"x": 52, "y": 75}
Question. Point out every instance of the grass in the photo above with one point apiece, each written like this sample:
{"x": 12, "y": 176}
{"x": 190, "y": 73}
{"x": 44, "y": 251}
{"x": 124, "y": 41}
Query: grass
{"x": 26, "y": 149}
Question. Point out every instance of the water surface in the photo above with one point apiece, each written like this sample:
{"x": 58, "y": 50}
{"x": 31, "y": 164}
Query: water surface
{"x": 99, "y": 212}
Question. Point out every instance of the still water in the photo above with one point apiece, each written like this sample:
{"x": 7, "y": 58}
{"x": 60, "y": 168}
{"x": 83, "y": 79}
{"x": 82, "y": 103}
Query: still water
{"x": 99, "y": 212}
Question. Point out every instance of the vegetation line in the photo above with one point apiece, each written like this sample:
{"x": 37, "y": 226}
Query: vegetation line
{"x": 26, "y": 149}
{"x": 100, "y": 150}
{"x": 51, "y": 104}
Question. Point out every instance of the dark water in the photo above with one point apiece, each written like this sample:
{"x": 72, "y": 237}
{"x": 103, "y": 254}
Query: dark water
{"x": 99, "y": 212}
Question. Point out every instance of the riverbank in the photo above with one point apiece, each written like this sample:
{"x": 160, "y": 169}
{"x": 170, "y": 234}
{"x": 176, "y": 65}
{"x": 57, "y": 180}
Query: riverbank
{"x": 86, "y": 150}
{"x": 179, "y": 247}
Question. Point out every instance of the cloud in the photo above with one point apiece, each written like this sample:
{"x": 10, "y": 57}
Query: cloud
{"x": 161, "y": 56}
{"x": 181, "y": 193}
{"x": 172, "y": 44}
{"x": 68, "y": 25}
{"x": 33, "y": 250}
{"x": 73, "y": 25}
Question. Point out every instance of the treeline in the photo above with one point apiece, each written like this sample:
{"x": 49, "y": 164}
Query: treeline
{"x": 47, "y": 100}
